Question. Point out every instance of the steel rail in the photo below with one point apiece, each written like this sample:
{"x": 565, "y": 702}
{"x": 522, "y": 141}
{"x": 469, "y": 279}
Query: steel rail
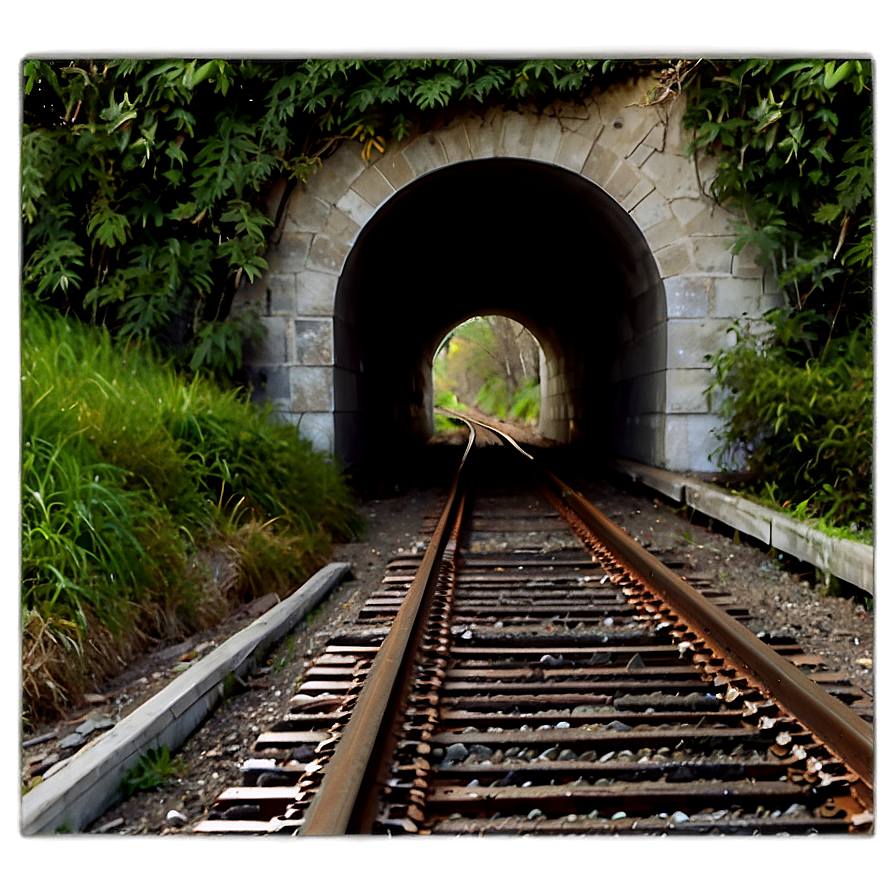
{"x": 340, "y": 805}
{"x": 846, "y": 734}
{"x": 843, "y": 732}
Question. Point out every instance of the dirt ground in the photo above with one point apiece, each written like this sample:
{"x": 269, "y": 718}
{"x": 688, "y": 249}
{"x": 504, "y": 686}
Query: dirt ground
{"x": 839, "y": 629}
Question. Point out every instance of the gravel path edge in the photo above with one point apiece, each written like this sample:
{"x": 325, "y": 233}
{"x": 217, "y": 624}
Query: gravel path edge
{"x": 87, "y": 783}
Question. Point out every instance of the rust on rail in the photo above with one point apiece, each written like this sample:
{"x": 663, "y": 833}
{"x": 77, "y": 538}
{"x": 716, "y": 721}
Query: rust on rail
{"x": 338, "y": 806}
{"x": 845, "y": 733}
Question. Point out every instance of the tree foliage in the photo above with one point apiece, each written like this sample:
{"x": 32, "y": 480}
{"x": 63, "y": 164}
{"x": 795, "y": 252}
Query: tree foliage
{"x": 142, "y": 178}
{"x": 792, "y": 142}
{"x": 490, "y": 363}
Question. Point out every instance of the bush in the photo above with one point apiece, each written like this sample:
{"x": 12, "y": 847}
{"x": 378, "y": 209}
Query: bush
{"x": 801, "y": 423}
{"x": 132, "y": 477}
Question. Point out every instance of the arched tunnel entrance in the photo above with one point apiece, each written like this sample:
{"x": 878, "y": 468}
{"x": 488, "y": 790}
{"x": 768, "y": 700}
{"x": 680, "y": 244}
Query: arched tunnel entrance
{"x": 529, "y": 240}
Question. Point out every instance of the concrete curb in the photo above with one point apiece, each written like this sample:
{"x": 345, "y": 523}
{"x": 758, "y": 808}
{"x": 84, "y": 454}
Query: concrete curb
{"x": 88, "y": 783}
{"x": 848, "y": 560}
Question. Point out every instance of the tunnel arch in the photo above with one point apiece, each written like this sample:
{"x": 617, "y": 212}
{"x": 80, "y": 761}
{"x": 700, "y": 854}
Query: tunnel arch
{"x": 658, "y": 244}
{"x": 462, "y": 241}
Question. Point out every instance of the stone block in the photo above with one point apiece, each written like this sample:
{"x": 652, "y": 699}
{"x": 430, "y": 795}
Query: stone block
{"x": 517, "y": 135}
{"x": 673, "y": 175}
{"x": 282, "y": 294}
{"x": 327, "y": 254}
{"x": 658, "y": 139}
{"x": 600, "y": 164}
{"x": 271, "y": 349}
{"x": 623, "y": 180}
{"x": 311, "y": 388}
{"x": 341, "y": 226}
{"x": 712, "y": 254}
{"x": 733, "y": 297}
{"x": 625, "y": 129}
{"x": 373, "y": 187}
{"x": 639, "y": 193}
{"x": 546, "y": 140}
{"x": 771, "y": 299}
{"x": 584, "y": 119}
{"x": 685, "y": 391}
{"x": 313, "y": 341}
{"x": 289, "y": 253}
{"x": 484, "y": 134}
{"x": 702, "y": 216}
{"x": 674, "y": 259}
{"x": 689, "y": 341}
{"x": 702, "y": 441}
{"x": 664, "y": 233}
{"x": 669, "y": 134}
{"x": 307, "y": 213}
{"x": 347, "y": 163}
{"x": 315, "y": 293}
{"x": 269, "y": 383}
{"x": 573, "y": 151}
{"x": 326, "y": 184}
{"x": 425, "y": 154}
{"x": 395, "y": 168}
{"x": 688, "y": 296}
{"x": 744, "y": 264}
{"x": 640, "y": 155}
{"x": 675, "y": 443}
{"x": 454, "y": 141}
{"x": 356, "y": 207}
{"x": 319, "y": 429}
{"x": 651, "y": 210}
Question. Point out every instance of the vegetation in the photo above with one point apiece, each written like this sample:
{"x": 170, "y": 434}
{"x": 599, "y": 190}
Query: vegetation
{"x": 490, "y": 363}
{"x": 154, "y": 767}
{"x": 792, "y": 142}
{"x": 142, "y": 180}
{"x": 139, "y": 488}
{"x": 142, "y": 210}
{"x": 803, "y": 425}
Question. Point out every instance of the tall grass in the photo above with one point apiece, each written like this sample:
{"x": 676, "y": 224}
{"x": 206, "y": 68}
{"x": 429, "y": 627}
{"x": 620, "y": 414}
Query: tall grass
{"x": 132, "y": 478}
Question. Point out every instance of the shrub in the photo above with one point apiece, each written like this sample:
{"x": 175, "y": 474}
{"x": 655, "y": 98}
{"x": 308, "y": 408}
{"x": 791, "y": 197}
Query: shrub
{"x": 802, "y": 424}
{"x": 132, "y": 478}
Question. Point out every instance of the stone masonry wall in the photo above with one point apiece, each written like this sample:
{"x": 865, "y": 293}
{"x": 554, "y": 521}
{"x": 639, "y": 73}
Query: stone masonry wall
{"x": 632, "y": 153}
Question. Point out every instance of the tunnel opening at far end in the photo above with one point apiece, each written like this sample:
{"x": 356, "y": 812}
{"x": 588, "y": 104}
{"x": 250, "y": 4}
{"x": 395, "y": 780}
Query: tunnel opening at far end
{"x": 491, "y": 365}
{"x": 530, "y": 241}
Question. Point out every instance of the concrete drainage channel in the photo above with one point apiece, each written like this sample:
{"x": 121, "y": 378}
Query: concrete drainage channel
{"x": 850, "y": 561}
{"x": 87, "y": 784}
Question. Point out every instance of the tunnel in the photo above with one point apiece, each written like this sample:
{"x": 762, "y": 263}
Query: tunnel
{"x": 528, "y": 240}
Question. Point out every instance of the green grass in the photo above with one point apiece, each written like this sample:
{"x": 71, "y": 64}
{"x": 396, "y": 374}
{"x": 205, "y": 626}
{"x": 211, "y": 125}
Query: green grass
{"x": 154, "y": 768}
{"x": 132, "y": 475}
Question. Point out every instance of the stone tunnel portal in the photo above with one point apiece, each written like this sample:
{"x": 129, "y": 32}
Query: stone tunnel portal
{"x": 529, "y": 240}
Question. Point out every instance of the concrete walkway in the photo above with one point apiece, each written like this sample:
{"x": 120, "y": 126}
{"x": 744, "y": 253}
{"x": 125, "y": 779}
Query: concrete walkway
{"x": 851, "y": 561}
{"x": 87, "y": 783}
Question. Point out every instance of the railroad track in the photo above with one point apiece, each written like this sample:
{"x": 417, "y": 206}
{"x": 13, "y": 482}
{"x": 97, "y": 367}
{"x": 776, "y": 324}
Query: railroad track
{"x": 536, "y": 671}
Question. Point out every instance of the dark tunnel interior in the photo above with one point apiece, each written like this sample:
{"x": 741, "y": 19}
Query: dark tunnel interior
{"x": 501, "y": 236}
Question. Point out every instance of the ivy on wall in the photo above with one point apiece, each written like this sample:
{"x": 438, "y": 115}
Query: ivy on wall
{"x": 142, "y": 179}
{"x": 793, "y": 146}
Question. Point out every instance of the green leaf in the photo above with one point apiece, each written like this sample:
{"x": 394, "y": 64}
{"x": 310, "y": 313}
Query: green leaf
{"x": 832, "y": 76}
